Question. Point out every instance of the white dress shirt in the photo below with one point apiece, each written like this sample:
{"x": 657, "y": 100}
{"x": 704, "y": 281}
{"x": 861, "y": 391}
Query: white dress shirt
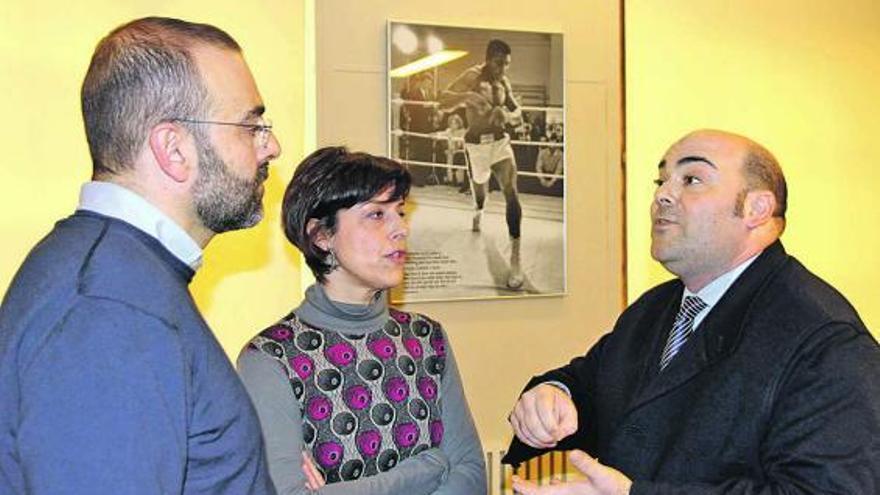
{"x": 710, "y": 294}
{"x": 115, "y": 201}
{"x": 715, "y": 290}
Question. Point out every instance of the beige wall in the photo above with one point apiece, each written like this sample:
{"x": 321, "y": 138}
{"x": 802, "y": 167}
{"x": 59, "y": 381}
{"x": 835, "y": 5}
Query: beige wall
{"x": 500, "y": 344}
{"x": 799, "y": 76}
{"x": 250, "y": 278}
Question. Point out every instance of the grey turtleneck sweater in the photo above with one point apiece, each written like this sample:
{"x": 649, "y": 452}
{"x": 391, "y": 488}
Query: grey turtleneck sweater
{"x": 455, "y": 468}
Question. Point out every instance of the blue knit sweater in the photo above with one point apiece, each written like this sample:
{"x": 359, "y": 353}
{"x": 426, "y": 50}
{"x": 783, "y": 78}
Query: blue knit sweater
{"x": 111, "y": 381}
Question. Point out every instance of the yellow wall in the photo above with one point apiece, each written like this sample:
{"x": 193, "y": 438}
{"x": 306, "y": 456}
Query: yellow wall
{"x": 250, "y": 278}
{"x": 800, "y": 76}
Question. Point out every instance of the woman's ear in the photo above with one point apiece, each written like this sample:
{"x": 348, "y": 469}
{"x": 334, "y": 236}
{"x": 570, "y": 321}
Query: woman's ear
{"x": 319, "y": 234}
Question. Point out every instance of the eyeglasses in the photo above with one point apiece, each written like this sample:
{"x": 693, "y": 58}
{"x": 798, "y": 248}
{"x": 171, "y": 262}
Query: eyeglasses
{"x": 260, "y": 132}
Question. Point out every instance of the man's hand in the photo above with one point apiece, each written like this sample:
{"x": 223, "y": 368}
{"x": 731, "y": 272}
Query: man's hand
{"x": 600, "y": 480}
{"x": 543, "y": 416}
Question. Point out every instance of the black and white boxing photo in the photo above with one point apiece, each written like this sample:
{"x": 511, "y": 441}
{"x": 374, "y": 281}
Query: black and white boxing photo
{"x": 476, "y": 115}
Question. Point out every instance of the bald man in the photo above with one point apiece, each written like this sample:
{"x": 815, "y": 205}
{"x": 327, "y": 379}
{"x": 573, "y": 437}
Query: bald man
{"x": 747, "y": 374}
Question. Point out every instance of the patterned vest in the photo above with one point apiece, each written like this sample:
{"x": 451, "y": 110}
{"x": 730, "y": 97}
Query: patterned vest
{"x": 367, "y": 401}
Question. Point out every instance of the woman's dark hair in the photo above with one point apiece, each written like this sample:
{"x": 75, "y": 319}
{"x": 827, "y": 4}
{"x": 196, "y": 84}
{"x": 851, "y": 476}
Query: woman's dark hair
{"x": 329, "y": 180}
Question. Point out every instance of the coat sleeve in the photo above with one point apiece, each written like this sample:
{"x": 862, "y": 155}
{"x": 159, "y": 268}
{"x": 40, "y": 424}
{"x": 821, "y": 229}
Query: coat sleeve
{"x": 460, "y": 444}
{"x": 281, "y": 420}
{"x": 823, "y": 428}
{"x": 579, "y": 377}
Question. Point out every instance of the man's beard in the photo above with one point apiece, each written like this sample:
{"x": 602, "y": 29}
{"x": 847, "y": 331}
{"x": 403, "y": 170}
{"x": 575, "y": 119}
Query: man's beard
{"x": 224, "y": 201}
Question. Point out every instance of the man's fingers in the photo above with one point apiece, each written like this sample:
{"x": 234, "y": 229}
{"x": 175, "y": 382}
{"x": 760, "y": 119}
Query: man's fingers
{"x": 524, "y": 487}
{"x": 527, "y": 425}
{"x": 545, "y": 411}
{"x": 602, "y": 478}
{"x": 540, "y": 417}
{"x": 543, "y": 416}
{"x": 583, "y": 462}
{"x": 529, "y": 415}
{"x": 557, "y": 413}
{"x": 523, "y": 433}
{"x": 567, "y": 415}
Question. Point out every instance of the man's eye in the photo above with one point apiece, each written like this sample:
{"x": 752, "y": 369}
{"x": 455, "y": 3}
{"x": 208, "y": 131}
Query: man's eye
{"x": 659, "y": 182}
{"x": 692, "y": 179}
{"x": 377, "y": 214}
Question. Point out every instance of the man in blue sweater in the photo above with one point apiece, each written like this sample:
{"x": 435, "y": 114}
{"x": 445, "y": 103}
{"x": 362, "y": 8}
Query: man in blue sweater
{"x": 110, "y": 380}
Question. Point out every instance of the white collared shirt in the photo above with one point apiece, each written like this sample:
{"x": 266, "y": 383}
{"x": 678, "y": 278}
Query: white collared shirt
{"x": 113, "y": 200}
{"x": 715, "y": 290}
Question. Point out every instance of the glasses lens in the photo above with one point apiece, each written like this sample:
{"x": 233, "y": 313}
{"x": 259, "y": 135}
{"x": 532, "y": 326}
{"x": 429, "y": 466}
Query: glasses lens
{"x": 263, "y": 135}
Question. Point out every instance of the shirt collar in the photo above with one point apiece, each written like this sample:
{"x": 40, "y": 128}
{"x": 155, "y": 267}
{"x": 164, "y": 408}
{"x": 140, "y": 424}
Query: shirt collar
{"x": 118, "y": 202}
{"x": 715, "y": 290}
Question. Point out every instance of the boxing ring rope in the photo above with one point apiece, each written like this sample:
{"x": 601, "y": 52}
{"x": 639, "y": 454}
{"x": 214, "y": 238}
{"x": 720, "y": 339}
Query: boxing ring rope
{"x": 438, "y": 136}
{"x": 464, "y": 167}
{"x": 423, "y": 103}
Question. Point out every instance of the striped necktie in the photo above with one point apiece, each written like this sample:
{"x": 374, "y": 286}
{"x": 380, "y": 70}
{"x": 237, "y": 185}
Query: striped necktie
{"x": 682, "y": 328}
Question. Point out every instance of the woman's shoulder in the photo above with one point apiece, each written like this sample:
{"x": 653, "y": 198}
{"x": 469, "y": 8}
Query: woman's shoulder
{"x": 421, "y": 327}
{"x": 413, "y": 319}
{"x": 280, "y": 330}
{"x": 271, "y": 339}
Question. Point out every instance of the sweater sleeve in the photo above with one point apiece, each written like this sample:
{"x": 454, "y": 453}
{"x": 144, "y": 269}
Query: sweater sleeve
{"x": 281, "y": 420}
{"x": 102, "y": 408}
{"x": 461, "y": 444}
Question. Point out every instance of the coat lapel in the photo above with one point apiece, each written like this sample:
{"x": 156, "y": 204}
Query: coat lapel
{"x": 658, "y": 333}
{"x": 717, "y": 336}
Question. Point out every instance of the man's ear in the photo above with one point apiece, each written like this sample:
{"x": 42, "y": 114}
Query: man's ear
{"x": 318, "y": 233}
{"x": 759, "y": 207}
{"x": 167, "y": 145}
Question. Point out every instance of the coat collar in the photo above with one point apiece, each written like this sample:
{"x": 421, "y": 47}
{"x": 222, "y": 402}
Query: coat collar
{"x": 718, "y": 335}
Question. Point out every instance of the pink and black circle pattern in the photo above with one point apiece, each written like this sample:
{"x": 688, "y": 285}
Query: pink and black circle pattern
{"x": 368, "y": 401}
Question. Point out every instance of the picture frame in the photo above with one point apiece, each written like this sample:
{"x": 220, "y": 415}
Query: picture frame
{"x": 477, "y": 116}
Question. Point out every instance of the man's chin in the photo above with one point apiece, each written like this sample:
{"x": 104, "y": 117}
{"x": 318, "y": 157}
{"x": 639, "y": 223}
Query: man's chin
{"x": 662, "y": 254}
{"x": 243, "y": 222}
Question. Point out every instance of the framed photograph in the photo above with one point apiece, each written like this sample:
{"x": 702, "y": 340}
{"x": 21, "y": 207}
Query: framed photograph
{"x": 477, "y": 115}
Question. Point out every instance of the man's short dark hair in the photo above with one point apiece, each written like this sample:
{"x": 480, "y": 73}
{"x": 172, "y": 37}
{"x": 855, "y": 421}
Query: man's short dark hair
{"x": 329, "y": 180}
{"x": 762, "y": 172}
{"x": 497, "y": 47}
{"x": 141, "y": 74}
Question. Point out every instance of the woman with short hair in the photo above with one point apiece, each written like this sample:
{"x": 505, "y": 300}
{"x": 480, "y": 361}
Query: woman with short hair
{"x": 355, "y": 397}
